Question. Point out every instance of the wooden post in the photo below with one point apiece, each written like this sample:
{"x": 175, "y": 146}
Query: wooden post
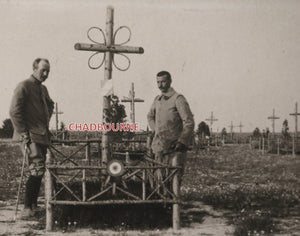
{"x": 48, "y": 193}
{"x": 293, "y": 145}
{"x": 296, "y": 114}
{"x": 231, "y": 131}
{"x": 259, "y": 144}
{"x": 273, "y": 118}
{"x": 127, "y": 158}
{"x": 176, "y": 190}
{"x": 132, "y": 100}
{"x": 148, "y": 141}
{"x": 87, "y": 154}
{"x": 250, "y": 142}
{"x": 144, "y": 185}
{"x": 56, "y": 112}
{"x": 211, "y": 119}
{"x": 263, "y": 145}
{"x": 278, "y": 142}
{"x": 107, "y": 76}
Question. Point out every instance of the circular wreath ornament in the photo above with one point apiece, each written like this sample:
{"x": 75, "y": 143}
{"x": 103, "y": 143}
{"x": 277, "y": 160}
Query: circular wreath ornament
{"x": 115, "y": 168}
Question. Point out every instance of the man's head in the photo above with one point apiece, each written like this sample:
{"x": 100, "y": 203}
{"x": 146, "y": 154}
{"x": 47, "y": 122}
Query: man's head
{"x": 164, "y": 81}
{"x": 41, "y": 69}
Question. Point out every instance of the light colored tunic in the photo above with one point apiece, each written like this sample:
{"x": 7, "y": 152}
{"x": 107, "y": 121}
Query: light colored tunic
{"x": 171, "y": 119}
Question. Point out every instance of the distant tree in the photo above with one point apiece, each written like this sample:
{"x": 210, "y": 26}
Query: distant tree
{"x": 117, "y": 111}
{"x": 264, "y": 134}
{"x": 285, "y": 130}
{"x": 62, "y": 126}
{"x": 224, "y": 132}
{"x": 7, "y": 129}
{"x": 203, "y": 129}
{"x": 256, "y": 133}
{"x": 117, "y": 114}
{"x": 267, "y": 132}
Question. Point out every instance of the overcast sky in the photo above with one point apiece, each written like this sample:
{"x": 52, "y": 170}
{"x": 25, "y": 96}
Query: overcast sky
{"x": 239, "y": 59}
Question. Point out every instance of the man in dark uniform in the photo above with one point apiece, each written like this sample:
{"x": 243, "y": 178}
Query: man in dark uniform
{"x": 30, "y": 112}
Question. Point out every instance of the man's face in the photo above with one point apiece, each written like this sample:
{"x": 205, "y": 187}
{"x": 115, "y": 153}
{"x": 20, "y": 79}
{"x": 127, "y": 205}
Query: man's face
{"x": 42, "y": 71}
{"x": 163, "y": 83}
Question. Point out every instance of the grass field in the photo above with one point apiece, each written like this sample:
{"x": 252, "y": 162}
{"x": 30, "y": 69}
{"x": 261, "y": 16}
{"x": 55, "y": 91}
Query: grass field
{"x": 259, "y": 193}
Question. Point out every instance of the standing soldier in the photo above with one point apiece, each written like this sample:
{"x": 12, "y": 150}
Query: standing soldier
{"x": 30, "y": 111}
{"x": 172, "y": 121}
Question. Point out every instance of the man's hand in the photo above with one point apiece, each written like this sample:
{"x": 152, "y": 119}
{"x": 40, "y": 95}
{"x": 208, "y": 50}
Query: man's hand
{"x": 180, "y": 147}
{"x": 25, "y": 139}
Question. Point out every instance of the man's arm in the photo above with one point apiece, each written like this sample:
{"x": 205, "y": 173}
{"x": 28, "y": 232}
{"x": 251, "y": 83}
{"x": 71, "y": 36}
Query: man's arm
{"x": 16, "y": 111}
{"x": 49, "y": 101}
{"x": 187, "y": 118}
{"x": 151, "y": 116}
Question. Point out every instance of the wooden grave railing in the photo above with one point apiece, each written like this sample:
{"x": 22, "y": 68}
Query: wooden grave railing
{"x": 140, "y": 181}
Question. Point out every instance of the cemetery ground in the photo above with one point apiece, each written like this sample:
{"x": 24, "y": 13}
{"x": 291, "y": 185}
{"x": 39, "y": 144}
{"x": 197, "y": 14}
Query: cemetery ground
{"x": 230, "y": 191}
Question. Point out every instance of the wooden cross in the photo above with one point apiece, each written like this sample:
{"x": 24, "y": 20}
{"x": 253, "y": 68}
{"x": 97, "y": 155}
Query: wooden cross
{"x": 240, "y": 126}
{"x": 296, "y": 114}
{"x": 231, "y": 129}
{"x": 109, "y": 48}
{"x": 211, "y": 120}
{"x": 273, "y": 118}
{"x": 56, "y": 112}
{"x": 131, "y": 98}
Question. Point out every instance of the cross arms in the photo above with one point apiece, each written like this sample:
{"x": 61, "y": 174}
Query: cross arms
{"x": 104, "y": 48}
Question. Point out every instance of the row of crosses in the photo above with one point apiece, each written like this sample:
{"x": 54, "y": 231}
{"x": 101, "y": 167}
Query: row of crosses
{"x": 296, "y": 114}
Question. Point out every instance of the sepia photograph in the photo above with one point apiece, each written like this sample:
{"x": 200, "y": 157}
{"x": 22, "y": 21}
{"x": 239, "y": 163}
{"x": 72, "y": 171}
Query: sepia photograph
{"x": 147, "y": 117}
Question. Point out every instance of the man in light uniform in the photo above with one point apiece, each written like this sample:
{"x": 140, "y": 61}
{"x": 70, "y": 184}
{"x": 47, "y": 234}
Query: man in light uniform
{"x": 172, "y": 121}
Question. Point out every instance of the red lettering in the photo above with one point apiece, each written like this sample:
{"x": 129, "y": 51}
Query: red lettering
{"x": 130, "y": 127}
{"x": 122, "y": 127}
{"x": 93, "y": 127}
{"x": 115, "y": 127}
{"x": 136, "y": 127}
{"x": 85, "y": 127}
{"x": 109, "y": 127}
{"x": 77, "y": 126}
{"x": 100, "y": 127}
{"x": 70, "y": 126}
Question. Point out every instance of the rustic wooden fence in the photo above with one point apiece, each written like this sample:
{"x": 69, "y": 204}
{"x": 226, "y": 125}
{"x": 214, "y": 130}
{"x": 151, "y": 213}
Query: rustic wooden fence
{"x": 132, "y": 176}
{"x": 276, "y": 145}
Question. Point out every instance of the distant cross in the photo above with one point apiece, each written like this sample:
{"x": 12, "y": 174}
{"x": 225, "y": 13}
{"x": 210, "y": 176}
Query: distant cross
{"x": 56, "y": 117}
{"x": 296, "y": 114}
{"x": 131, "y": 98}
{"x": 211, "y": 120}
{"x": 273, "y": 118}
{"x": 109, "y": 48}
{"x": 231, "y": 129}
{"x": 240, "y": 126}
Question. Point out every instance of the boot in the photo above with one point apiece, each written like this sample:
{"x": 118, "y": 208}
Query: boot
{"x": 26, "y": 214}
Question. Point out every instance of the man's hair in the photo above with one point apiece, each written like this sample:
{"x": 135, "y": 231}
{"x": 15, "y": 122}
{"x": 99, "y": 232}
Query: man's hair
{"x": 37, "y": 61}
{"x": 164, "y": 73}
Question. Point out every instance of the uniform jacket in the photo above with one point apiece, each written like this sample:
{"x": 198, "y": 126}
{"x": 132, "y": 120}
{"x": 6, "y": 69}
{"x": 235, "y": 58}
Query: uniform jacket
{"x": 171, "y": 119}
{"x": 30, "y": 111}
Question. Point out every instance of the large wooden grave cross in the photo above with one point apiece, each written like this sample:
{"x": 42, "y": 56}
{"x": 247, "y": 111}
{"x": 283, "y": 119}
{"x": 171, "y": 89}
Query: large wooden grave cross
{"x": 56, "y": 112}
{"x": 109, "y": 48}
{"x": 296, "y": 114}
{"x": 131, "y": 98}
{"x": 211, "y": 120}
{"x": 273, "y": 118}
